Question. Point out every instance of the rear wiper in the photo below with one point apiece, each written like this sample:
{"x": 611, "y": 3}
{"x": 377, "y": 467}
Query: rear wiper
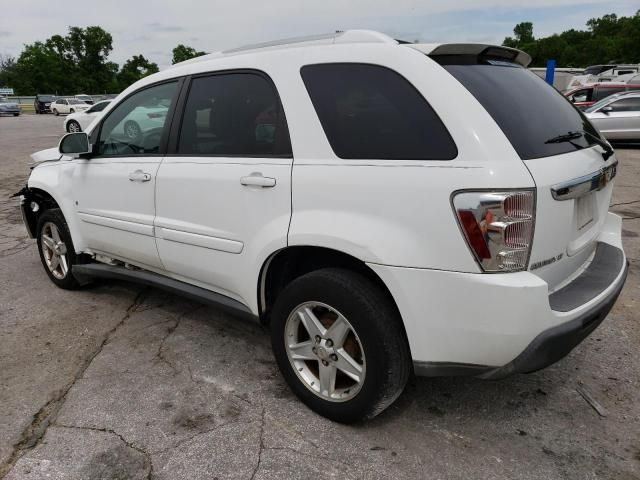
{"x": 569, "y": 136}
{"x": 608, "y": 151}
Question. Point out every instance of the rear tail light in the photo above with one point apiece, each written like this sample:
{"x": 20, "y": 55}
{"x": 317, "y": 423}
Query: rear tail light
{"x": 498, "y": 227}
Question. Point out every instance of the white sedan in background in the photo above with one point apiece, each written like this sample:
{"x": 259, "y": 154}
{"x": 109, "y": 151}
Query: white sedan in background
{"x": 68, "y": 105}
{"x": 79, "y": 121}
{"x": 617, "y": 116}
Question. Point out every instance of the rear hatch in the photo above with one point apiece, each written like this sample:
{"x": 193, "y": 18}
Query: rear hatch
{"x": 561, "y": 149}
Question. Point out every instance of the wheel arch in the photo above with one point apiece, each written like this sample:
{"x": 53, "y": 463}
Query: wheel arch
{"x": 289, "y": 263}
{"x": 36, "y": 201}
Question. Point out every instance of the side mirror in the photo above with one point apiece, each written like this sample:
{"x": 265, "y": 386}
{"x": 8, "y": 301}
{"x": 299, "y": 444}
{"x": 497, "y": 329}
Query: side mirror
{"x": 606, "y": 110}
{"x": 74, "y": 144}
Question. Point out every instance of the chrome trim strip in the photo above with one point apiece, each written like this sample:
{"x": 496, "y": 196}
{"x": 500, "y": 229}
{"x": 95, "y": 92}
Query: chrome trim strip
{"x": 582, "y": 185}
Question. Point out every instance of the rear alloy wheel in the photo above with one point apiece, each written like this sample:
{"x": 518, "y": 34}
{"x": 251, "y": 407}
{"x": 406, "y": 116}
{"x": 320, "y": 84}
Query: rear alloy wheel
{"x": 132, "y": 130}
{"x": 340, "y": 345}
{"x": 325, "y": 351}
{"x": 73, "y": 127}
{"x": 56, "y": 249}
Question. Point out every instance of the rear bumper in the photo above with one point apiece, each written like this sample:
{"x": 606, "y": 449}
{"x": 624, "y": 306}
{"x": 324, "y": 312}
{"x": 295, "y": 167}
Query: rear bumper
{"x": 556, "y": 343}
{"x": 496, "y": 325}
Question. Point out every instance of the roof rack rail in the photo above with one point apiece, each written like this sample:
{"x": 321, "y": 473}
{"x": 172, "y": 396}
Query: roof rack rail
{"x": 348, "y": 36}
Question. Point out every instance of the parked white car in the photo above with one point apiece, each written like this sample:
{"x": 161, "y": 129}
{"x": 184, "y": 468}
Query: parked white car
{"x": 78, "y": 122}
{"x": 617, "y": 117}
{"x": 68, "y": 105}
{"x": 386, "y": 208}
{"x": 84, "y": 98}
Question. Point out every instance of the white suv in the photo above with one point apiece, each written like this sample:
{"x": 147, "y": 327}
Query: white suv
{"x": 386, "y": 208}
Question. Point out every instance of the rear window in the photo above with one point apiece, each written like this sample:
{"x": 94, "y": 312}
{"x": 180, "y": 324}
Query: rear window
{"x": 372, "y": 112}
{"x": 528, "y": 110}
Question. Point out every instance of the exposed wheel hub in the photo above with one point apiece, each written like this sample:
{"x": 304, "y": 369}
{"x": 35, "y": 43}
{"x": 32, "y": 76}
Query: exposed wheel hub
{"x": 325, "y": 351}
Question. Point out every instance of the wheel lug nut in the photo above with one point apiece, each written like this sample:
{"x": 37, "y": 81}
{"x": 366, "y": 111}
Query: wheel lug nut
{"x": 334, "y": 357}
{"x": 325, "y": 363}
{"x": 317, "y": 338}
{"x": 329, "y": 343}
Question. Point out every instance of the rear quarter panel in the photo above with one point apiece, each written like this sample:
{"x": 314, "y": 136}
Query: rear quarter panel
{"x": 393, "y": 212}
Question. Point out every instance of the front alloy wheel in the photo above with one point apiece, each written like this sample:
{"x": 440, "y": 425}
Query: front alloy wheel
{"x": 54, "y": 251}
{"x": 325, "y": 351}
{"x": 57, "y": 252}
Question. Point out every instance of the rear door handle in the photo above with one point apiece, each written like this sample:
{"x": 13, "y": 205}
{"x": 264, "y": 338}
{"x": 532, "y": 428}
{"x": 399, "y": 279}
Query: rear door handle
{"x": 256, "y": 179}
{"x": 139, "y": 176}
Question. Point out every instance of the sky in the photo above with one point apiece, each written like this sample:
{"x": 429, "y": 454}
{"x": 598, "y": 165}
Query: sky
{"x": 153, "y": 27}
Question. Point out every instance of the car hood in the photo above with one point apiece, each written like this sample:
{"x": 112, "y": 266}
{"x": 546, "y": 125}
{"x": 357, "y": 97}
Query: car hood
{"x": 48, "y": 155}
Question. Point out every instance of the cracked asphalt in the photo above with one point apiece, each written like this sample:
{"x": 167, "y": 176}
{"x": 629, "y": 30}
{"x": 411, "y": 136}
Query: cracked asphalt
{"x": 122, "y": 382}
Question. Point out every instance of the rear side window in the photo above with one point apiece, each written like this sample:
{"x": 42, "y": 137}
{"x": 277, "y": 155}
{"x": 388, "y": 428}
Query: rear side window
{"x": 371, "y": 112}
{"x": 235, "y": 114}
{"x": 531, "y": 113}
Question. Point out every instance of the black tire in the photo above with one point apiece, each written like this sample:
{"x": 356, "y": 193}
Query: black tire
{"x": 74, "y": 123}
{"x": 55, "y": 112}
{"x": 54, "y": 215}
{"x": 378, "y": 325}
{"x": 72, "y": 111}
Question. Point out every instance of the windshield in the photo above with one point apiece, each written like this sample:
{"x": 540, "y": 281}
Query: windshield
{"x": 46, "y": 98}
{"x": 525, "y": 107}
{"x": 4, "y": 100}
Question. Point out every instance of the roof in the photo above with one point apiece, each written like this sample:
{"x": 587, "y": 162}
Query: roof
{"x": 369, "y": 36}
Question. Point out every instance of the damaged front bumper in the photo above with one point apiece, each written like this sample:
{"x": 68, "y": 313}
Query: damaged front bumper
{"x": 27, "y": 210}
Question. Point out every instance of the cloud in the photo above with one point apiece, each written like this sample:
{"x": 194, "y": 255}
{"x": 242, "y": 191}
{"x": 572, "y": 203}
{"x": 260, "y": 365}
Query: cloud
{"x": 158, "y": 27}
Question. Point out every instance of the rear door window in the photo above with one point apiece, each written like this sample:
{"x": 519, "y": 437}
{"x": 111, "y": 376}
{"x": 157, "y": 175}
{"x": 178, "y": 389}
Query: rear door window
{"x": 371, "y": 112}
{"x": 530, "y": 112}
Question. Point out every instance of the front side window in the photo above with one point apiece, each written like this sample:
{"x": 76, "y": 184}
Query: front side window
{"x": 135, "y": 125}
{"x": 235, "y": 114}
{"x": 626, "y": 105}
{"x": 371, "y": 112}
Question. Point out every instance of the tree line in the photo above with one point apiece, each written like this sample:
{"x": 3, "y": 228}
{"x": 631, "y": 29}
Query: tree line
{"x": 77, "y": 63}
{"x": 608, "y": 39}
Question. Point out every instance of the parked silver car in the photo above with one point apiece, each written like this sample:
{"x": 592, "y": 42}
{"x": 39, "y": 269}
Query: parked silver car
{"x": 617, "y": 116}
{"x": 9, "y": 107}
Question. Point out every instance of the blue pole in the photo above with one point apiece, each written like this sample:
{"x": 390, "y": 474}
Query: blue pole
{"x": 551, "y": 71}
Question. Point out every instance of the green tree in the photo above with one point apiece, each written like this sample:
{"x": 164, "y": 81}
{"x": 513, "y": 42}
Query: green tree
{"x": 523, "y": 35}
{"x": 184, "y": 52}
{"x": 607, "y": 39}
{"x": 7, "y": 70}
{"x": 134, "y": 69}
{"x": 67, "y": 65}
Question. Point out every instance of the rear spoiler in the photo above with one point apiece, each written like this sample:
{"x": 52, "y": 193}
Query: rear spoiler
{"x": 472, "y": 53}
